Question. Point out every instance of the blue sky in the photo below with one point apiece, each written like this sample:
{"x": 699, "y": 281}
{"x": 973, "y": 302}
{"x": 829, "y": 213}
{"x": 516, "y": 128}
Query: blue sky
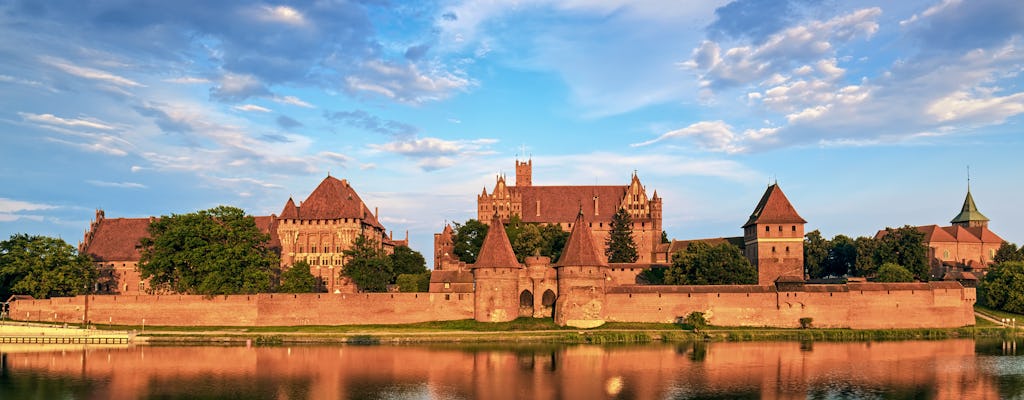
{"x": 866, "y": 113}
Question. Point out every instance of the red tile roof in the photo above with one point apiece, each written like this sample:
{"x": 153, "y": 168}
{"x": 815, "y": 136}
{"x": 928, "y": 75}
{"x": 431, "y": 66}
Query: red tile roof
{"x": 560, "y": 204}
{"x": 332, "y": 199}
{"x": 961, "y": 234}
{"x": 932, "y": 233}
{"x": 117, "y": 239}
{"x": 774, "y": 208}
{"x": 985, "y": 234}
{"x": 580, "y": 249}
{"x": 496, "y": 251}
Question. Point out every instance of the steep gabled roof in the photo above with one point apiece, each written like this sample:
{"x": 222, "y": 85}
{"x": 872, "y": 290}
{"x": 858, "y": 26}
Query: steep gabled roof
{"x": 962, "y": 235}
{"x": 560, "y": 204}
{"x": 580, "y": 249}
{"x": 496, "y": 252}
{"x": 934, "y": 234}
{"x": 969, "y": 212}
{"x": 774, "y": 208}
{"x": 985, "y": 234}
{"x": 332, "y": 199}
{"x": 117, "y": 239}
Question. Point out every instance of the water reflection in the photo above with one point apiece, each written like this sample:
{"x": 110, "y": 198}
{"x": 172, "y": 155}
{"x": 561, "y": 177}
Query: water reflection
{"x": 778, "y": 370}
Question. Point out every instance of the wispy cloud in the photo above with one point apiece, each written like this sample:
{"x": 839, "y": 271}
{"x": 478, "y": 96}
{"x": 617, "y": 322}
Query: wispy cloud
{"x": 71, "y": 122}
{"x": 122, "y": 185}
{"x": 13, "y": 206}
{"x": 89, "y": 73}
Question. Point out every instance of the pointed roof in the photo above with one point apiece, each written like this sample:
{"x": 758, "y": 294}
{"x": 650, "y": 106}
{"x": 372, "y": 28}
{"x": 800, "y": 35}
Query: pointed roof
{"x": 290, "y": 211}
{"x": 580, "y": 249}
{"x": 969, "y": 212}
{"x": 332, "y": 199}
{"x": 447, "y": 231}
{"x": 496, "y": 252}
{"x": 774, "y": 208}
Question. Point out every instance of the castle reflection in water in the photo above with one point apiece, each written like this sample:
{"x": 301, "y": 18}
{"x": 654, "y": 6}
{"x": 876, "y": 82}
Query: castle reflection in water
{"x": 908, "y": 369}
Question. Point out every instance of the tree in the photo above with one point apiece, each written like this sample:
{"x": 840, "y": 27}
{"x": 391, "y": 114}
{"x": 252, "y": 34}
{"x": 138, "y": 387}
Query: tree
{"x": 554, "y": 241}
{"x": 703, "y": 264}
{"x": 468, "y": 238}
{"x": 43, "y": 267}
{"x": 664, "y": 237}
{"x": 210, "y": 252}
{"x": 367, "y": 265}
{"x": 890, "y": 272}
{"x": 815, "y": 254}
{"x": 407, "y": 261}
{"x": 842, "y": 256}
{"x": 904, "y": 246}
{"x": 298, "y": 279}
{"x": 1002, "y": 287}
{"x": 414, "y": 282}
{"x": 865, "y": 265}
{"x": 621, "y": 248}
{"x": 527, "y": 242}
{"x": 1008, "y": 252}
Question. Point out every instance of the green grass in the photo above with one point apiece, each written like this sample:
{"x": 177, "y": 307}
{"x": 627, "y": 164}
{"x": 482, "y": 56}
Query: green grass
{"x": 999, "y": 314}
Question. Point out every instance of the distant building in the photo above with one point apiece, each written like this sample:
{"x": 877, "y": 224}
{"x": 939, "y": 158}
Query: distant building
{"x": 316, "y": 231}
{"x": 967, "y": 245}
{"x": 559, "y": 205}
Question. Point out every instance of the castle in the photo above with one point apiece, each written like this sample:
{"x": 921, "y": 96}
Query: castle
{"x": 317, "y": 231}
{"x": 582, "y": 289}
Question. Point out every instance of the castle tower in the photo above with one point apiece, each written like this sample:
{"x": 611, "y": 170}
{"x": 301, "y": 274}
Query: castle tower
{"x": 582, "y": 275}
{"x": 496, "y": 277}
{"x": 524, "y": 173}
{"x": 774, "y": 238}
{"x": 969, "y": 216}
{"x": 444, "y": 246}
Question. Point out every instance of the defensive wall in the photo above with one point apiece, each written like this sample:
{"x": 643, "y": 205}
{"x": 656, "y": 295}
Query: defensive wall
{"x": 853, "y": 305}
{"x": 276, "y": 309}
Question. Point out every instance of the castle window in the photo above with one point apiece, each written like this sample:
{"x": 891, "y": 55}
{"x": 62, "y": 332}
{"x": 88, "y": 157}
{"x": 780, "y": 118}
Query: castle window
{"x": 300, "y": 249}
{"x": 325, "y": 249}
{"x": 447, "y": 285}
{"x": 773, "y": 249}
{"x": 767, "y": 229}
{"x": 780, "y": 228}
{"x": 945, "y": 254}
{"x": 794, "y": 228}
{"x": 787, "y": 249}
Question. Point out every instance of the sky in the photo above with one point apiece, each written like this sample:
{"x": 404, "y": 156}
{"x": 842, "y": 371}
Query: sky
{"x": 867, "y": 113}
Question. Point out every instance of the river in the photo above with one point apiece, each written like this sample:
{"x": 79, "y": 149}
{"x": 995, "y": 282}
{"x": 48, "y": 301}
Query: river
{"x": 946, "y": 369}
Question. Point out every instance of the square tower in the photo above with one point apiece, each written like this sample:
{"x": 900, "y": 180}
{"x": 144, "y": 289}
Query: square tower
{"x": 774, "y": 238}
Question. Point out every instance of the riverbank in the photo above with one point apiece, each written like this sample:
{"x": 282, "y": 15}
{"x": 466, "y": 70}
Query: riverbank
{"x": 524, "y": 330}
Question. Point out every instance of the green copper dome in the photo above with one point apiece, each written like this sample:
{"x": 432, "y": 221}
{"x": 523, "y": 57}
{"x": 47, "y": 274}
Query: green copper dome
{"x": 969, "y": 212}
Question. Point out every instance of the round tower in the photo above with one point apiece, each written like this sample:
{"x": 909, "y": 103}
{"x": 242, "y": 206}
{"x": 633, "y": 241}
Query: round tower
{"x": 496, "y": 277}
{"x": 582, "y": 278}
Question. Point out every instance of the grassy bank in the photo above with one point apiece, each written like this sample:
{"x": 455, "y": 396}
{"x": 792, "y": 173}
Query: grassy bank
{"x": 528, "y": 330}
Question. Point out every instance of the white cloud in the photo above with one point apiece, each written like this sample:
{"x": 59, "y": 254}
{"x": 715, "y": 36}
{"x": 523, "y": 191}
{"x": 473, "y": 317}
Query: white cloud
{"x": 123, "y": 185}
{"x": 931, "y": 11}
{"x": 13, "y": 206}
{"x": 72, "y": 122}
{"x": 281, "y": 14}
{"x": 100, "y": 146}
{"x": 292, "y": 100}
{"x": 960, "y": 106}
{"x": 187, "y": 80}
{"x": 405, "y": 82}
{"x": 251, "y": 107}
{"x": 89, "y": 73}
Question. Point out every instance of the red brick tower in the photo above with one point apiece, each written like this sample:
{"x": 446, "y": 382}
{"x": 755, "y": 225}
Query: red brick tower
{"x": 774, "y": 238}
{"x": 582, "y": 275}
{"x": 444, "y": 246}
{"x": 496, "y": 273}
{"x": 524, "y": 173}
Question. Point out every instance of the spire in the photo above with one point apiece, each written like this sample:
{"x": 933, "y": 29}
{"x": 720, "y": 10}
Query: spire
{"x": 774, "y": 208}
{"x": 580, "y": 250}
{"x": 969, "y": 212}
{"x": 496, "y": 252}
{"x": 290, "y": 211}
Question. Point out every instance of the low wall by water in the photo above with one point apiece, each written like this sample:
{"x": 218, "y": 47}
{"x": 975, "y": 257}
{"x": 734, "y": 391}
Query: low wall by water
{"x": 855, "y": 305}
{"x": 249, "y": 310}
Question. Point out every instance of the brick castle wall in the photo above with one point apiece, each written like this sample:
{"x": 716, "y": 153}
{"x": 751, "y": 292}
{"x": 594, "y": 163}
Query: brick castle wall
{"x": 251, "y": 310}
{"x": 878, "y": 307}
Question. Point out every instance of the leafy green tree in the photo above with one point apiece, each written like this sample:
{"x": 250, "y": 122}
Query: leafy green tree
{"x": 664, "y": 237}
{"x": 527, "y": 242}
{"x": 904, "y": 246}
{"x": 815, "y": 254}
{"x": 696, "y": 320}
{"x": 210, "y": 252}
{"x": 1008, "y": 252}
{"x": 407, "y": 261}
{"x": 298, "y": 279}
{"x": 621, "y": 247}
{"x": 865, "y": 265}
{"x": 468, "y": 238}
{"x": 43, "y": 267}
{"x": 1002, "y": 287}
{"x": 890, "y": 272}
{"x": 842, "y": 256}
{"x": 414, "y": 282}
{"x": 703, "y": 264}
{"x": 367, "y": 265}
{"x": 554, "y": 241}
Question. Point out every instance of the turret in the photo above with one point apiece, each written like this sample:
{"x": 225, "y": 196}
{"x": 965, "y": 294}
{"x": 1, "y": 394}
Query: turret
{"x": 496, "y": 277}
{"x": 582, "y": 276}
{"x": 969, "y": 216}
{"x": 774, "y": 238}
{"x": 524, "y": 173}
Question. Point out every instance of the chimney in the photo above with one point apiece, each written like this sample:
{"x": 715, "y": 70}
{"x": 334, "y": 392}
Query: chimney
{"x": 376, "y": 212}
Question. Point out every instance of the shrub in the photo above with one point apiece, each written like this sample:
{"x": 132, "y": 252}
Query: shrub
{"x": 806, "y": 322}
{"x": 696, "y": 320}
